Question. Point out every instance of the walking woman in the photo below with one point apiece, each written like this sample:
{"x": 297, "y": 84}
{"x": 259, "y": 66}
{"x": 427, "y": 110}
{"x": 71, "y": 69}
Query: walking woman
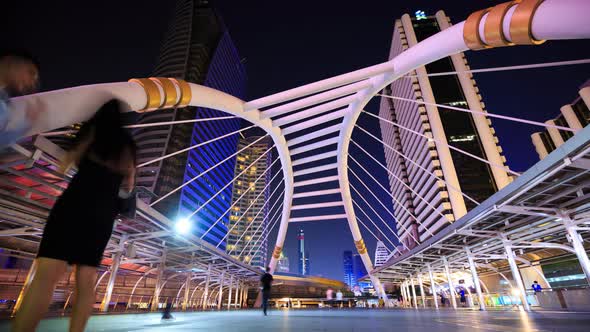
{"x": 81, "y": 221}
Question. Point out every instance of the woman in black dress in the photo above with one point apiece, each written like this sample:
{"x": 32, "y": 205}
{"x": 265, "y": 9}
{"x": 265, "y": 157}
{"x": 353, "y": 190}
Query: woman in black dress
{"x": 81, "y": 221}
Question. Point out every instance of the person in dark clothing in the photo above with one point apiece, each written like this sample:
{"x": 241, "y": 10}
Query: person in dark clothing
{"x": 81, "y": 221}
{"x": 266, "y": 282}
{"x": 167, "y": 312}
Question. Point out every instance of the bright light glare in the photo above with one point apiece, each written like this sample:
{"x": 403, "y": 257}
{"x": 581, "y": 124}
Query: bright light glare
{"x": 515, "y": 292}
{"x": 182, "y": 226}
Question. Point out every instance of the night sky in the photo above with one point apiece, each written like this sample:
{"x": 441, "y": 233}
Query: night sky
{"x": 286, "y": 46}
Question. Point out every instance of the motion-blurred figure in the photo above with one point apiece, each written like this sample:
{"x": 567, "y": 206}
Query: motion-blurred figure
{"x": 81, "y": 221}
{"x": 167, "y": 315}
{"x": 19, "y": 75}
{"x": 266, "y": 283}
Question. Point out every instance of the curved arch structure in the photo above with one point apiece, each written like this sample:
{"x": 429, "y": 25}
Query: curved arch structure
{"x": 526, "y": 22}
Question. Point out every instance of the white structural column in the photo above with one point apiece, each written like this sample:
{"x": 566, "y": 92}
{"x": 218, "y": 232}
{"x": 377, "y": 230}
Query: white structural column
{"x": 516, "y": 275}
{"x": 187, "y": 292}
{"x": 220, "y": 295}
{"x": 415, "y": 298}
{"x": 578, "y": 243}
{"x": 438, "y": 132}
{"x": 104, "y": 305}
{"x": 476, "y": 283}
{"x": 159, "y": 279}
{"x": 408, "y": 293}
{"x": 244, "y": 299}
{"x": 404, "y": 293}
{"x": 432, "y": 287}
{"x": 481, "y": 122}
{"x": 422, "y": 295}
{"x": 237, "y": 293}
{"x": 206, "y": 291}
{"x": 229, "y": 291}
{"x": 451, "y": 284}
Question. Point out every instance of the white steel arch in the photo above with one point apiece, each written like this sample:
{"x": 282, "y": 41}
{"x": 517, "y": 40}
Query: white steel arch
{"x": 321, "y": 103}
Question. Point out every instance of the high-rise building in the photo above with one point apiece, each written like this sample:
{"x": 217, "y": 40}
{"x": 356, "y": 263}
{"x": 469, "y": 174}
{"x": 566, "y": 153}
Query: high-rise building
{"x": 423, "y": 203}
{"x": 283, "y": 264}
{"x": 249, "y": 214}
{"x": 359, "y": 270}
{"x": 198, "y": 49}
{"x": 381, "y": 254}
{"x": 575, "y": 115}
{"x": 349, "y": 276}
{"x": 354, "y": 270}
{"x": 303, "y": 254}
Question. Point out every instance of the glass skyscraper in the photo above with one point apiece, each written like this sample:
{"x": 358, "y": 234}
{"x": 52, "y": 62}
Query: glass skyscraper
{"x": 198, "y": 49}
{"x": 349, "y": 276}
{"x": 354, "y": 270}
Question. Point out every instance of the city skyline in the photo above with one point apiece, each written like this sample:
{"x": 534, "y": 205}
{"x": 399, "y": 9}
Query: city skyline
{"x": 564, "y": 81}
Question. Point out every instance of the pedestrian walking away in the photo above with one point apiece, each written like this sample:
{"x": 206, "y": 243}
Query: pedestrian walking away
{"x": 266, "y": 283}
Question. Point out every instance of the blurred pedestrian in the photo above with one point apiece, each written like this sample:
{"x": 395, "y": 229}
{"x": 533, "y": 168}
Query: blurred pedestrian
{"x": 81, "y": 221}
{"x": 462, "y": 297}
{"x": 266, "y": 283}
{"x": 167, "y": 315}
{"x": 19, "y": 75}
{"x": 536, "y": 287}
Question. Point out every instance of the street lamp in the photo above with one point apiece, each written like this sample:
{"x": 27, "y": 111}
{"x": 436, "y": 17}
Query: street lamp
{"x": 182, "y": 226}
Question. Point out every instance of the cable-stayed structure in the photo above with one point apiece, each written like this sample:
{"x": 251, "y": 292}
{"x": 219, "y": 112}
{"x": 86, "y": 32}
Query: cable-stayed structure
{"x": 315, "y": 131}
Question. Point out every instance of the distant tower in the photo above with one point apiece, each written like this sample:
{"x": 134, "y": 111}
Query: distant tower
{"x": 349, "y": 276}
{"x": 303, "y": 255}
{"x": 283, "y": 264}
{"x": 381, "y": 254}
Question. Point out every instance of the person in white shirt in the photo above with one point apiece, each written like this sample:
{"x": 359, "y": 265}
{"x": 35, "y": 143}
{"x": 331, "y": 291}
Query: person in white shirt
{"x": 19, "y": 75}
